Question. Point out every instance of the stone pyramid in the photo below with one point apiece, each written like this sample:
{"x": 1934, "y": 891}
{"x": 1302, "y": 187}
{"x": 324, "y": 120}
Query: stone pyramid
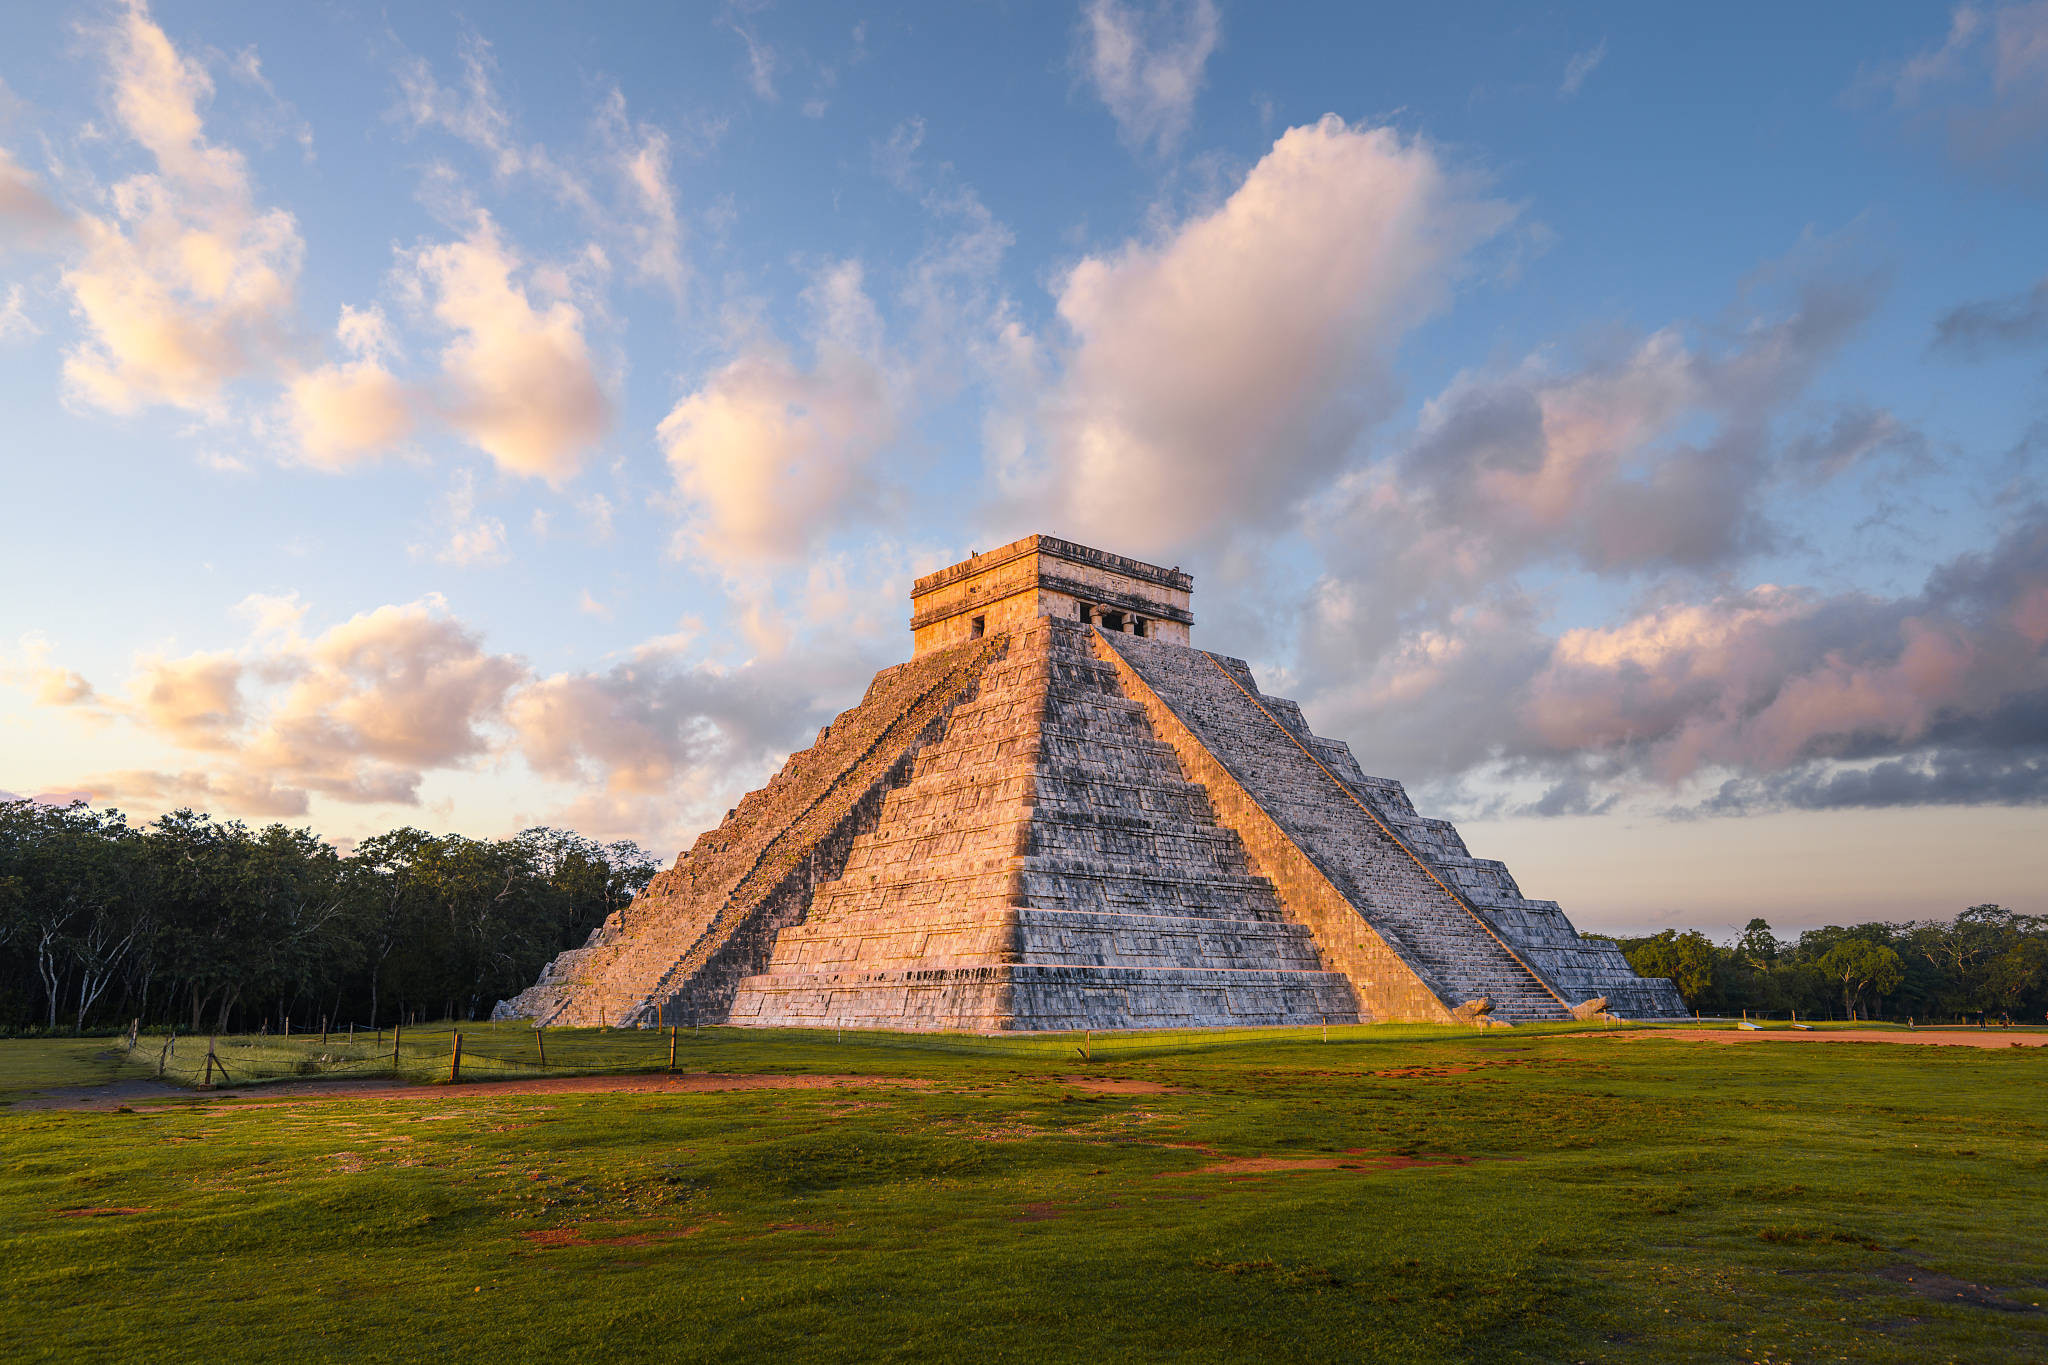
{"x": 1060, "y": 815}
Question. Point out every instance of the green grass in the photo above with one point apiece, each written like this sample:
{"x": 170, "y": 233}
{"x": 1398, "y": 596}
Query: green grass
{"x": 1609, "y": 1200}
{"x": 28, "y": 1065}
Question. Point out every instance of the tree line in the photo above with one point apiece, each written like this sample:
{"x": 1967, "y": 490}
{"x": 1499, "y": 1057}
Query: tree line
{"x": 1988, "y": 960}
{"x": 208, "y": 925}
{"x": 204, "y": 924}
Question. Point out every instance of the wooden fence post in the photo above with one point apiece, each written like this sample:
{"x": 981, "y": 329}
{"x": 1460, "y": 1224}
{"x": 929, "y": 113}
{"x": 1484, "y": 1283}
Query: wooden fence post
{"x": 287, "y": 1026}
{"x": 163, "y": 1058}
{"x": 323, "y": 1030}
{"x": 455, "y": 1061}
{"x": 396, "y": 1030}
{"x": 671, "y": 1049}
{"x": 540, "y": 1041}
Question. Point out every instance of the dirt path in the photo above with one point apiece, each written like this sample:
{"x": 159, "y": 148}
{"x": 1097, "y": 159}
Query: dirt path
{"x": 1117, "y": 1085}
{"x": 128, "y": 1094}
{"x": 1999, "y": 1038}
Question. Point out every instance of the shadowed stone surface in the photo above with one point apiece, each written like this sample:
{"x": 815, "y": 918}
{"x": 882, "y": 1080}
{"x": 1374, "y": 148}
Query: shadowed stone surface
{"x": 1058, "y": 815}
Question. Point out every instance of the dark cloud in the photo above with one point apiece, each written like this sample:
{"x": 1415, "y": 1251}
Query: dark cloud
{"x": 1943, "y": 777}
{"x": 2010, "y": 323}
{"x": 1657, "y": 457}
{"x": 1853, "y": 435}
{"x": 1799, "y": 699}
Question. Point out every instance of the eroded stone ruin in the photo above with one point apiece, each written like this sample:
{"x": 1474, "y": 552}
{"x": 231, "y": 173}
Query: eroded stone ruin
{"x": 1061, "y": 815}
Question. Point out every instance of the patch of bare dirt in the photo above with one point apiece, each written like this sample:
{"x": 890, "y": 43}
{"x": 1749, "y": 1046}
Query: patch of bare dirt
{"x": 1409, "y": 1073}
{"x": 95, "y": 1213}
{"x": 1932, "y": 1284}
{"x": 1450, "y": 1069}
{"x": 1115, "y": 1085}
{"x": 550, "y": 1238}
{"x": 1354, "y": 1159}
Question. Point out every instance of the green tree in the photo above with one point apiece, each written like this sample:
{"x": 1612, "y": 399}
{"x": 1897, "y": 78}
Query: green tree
{"x": 1689, "y": 959}
{"x": 1859, "y": 965}
{"x": 2018, "y": 976}
{"x": 1758, "y": 946}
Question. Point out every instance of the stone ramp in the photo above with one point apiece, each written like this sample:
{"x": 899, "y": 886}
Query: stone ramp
{"x": 1415, "y": 919}
{"x": 1580, "y": 969}
{"x": 1048, "y": 866}
{"x": 681, "y": 948}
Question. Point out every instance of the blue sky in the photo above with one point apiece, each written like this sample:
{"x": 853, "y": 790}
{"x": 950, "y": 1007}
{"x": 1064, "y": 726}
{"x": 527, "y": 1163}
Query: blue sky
{"x": 1625, "y": 426}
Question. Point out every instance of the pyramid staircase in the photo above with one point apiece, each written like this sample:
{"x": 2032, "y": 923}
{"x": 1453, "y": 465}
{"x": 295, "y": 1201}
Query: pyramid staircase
{"x": 1264, "y": 749}
{"x": 679, "y": 950}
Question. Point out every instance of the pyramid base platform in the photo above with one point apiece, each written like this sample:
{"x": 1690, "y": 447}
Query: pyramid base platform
{"x": 1028, "y": 997}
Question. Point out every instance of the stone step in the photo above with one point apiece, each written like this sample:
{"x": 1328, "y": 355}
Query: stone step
{"x": 1390, "y": 887}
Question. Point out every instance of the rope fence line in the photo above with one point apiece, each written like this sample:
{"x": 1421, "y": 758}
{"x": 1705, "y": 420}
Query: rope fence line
{"x": 465, "y": 1051}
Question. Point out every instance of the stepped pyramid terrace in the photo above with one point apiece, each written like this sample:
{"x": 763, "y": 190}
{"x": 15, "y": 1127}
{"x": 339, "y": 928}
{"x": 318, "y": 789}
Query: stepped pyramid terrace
{"x": 1059, "y": 814}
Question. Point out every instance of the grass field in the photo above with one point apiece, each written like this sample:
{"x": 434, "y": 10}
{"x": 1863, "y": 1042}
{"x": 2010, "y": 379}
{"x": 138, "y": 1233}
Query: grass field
{"x": 1400, "y": 1194}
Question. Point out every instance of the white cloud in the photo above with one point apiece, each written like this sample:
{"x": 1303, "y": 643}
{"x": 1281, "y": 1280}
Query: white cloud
{"x": 29, "y": 670}
{"x": 762, "y": 62}
{"x": 642, "y": 218}
{"x": 194, "y": 701}
{"x": 1222, "y": 373}
{"x": 14, "y": 319}
{"x": 383, "y": 695}
{"x": 185, "y": 286}
{"x": 356, "y": 410}
{"x": 471, "y": 538}
{"x": 640, "y": 158}
{"x": 1148, "y": 67}
{"x": 518, "y": 380}
{"x": 771, "y": 454}
{"x": 1582, "y": 65}
{"x": 1653, "y": 456}
{"x": 238, "y": 793}
{"x": 360, "y": 712}
{"x": 1985, "y": 86}
{"x": 473, "y": 113}
{"x": 660, "y": 743}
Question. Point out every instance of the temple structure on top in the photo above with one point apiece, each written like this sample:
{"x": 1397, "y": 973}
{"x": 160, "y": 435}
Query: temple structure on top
{"x": 1059, "y": 814}
{"x": 1007, "y": 589}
